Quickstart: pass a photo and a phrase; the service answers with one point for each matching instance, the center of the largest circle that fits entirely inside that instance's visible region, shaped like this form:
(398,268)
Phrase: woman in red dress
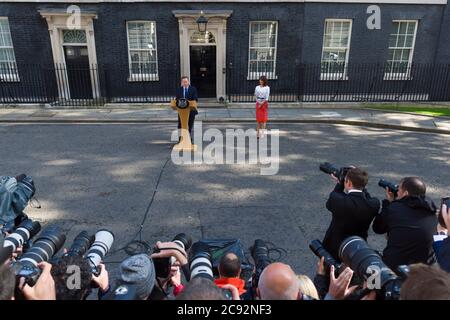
(262,93)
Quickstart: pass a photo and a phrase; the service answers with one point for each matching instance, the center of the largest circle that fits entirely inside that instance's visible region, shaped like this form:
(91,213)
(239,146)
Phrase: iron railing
(99,84)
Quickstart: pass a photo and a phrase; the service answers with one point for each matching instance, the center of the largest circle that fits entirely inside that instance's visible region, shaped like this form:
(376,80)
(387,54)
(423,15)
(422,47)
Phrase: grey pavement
(91,176)
(355,116)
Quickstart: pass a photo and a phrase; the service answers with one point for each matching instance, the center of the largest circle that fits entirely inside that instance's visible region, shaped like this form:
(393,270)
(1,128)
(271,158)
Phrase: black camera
(260,255)
(163,265)
(392,187)
(318,249)
(45,246)
(368,265)
(82,242)
(339,173)
(102,244)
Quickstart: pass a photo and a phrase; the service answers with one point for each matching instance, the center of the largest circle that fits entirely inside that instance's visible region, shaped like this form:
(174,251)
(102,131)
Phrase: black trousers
(192,115)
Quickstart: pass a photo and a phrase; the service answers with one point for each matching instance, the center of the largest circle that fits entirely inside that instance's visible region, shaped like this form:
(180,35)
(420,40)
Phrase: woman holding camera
(262,93)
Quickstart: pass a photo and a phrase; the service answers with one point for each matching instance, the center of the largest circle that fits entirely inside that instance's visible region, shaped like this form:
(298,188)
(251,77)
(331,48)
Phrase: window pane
(409,41)
(411,28)
(262,47)
(253,66)
(403,26)
(401,41)
(142,46)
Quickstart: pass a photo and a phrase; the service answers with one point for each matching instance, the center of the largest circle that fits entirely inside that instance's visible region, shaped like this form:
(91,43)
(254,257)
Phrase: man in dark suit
(410,222)
(186,91)
(352,209)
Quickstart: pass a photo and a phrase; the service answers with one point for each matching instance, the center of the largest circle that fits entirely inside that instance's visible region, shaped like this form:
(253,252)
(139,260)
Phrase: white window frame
(255,75)
(139,77)
(13,76)
(406,75)
(336,75)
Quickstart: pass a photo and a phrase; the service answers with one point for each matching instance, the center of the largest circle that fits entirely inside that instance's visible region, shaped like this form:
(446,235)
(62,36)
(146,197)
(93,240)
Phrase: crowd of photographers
(36,265)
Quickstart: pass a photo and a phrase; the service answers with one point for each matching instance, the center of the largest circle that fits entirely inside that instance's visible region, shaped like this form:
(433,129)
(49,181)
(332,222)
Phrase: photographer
(352,208)
(168,250)
(409,222)
(426,283)
(73,278)
(278,282)
(230,272)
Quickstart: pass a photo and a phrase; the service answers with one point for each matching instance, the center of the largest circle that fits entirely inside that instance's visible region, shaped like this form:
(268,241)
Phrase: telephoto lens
(24,232)
(318,249)
(163,265)
(328,168)
(183,241)
(260,254)
(45,246)
(102,244)
(200,261)
(81,244)
(392,187)
(367,264)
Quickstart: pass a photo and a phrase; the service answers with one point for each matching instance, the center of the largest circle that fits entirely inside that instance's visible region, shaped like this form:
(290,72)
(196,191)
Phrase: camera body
(392,187)
(339,173)
(163,265)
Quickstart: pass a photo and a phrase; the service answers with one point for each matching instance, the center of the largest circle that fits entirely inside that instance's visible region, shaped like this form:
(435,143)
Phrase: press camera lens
(45,246)
(102,244)
(24,232)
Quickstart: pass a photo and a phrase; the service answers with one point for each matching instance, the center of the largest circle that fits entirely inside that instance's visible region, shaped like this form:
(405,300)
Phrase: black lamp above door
(202,22)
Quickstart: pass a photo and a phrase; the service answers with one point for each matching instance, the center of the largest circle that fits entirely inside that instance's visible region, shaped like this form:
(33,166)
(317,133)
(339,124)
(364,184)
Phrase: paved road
(96,176)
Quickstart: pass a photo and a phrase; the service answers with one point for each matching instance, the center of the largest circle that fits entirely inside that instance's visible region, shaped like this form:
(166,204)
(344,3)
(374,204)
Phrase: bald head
(278,282)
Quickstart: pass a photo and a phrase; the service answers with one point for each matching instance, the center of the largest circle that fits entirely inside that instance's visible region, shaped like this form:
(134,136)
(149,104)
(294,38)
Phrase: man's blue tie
(185,92)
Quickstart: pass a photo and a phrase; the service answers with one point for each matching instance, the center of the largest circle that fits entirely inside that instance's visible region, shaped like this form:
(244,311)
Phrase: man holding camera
(352,208)
(409,220)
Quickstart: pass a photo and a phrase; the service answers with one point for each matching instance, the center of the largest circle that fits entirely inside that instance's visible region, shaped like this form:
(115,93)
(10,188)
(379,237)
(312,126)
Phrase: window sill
(143,78)
(397,77)
(256,77)
(333,77)
(9,78)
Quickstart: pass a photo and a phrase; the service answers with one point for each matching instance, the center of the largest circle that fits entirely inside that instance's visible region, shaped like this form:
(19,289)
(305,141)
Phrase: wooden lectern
(185,143)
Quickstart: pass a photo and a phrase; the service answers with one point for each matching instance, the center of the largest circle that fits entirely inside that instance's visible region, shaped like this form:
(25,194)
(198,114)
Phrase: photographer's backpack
(15,193)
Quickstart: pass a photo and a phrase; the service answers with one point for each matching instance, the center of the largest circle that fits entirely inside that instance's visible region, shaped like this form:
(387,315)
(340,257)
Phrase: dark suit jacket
(410,224)
(192,93)
(352,215)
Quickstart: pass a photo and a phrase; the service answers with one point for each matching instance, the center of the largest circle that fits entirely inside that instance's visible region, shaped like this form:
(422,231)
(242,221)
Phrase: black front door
(78,73)
(203,70)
